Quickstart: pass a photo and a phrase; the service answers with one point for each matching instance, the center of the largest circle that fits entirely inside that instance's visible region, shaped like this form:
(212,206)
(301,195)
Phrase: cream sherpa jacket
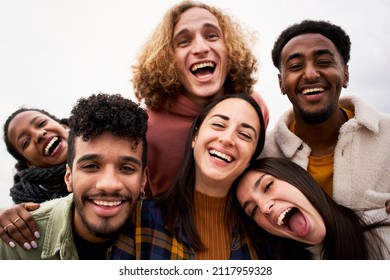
(362,154)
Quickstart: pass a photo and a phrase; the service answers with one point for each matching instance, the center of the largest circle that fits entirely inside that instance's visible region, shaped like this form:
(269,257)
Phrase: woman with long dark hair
(285,201)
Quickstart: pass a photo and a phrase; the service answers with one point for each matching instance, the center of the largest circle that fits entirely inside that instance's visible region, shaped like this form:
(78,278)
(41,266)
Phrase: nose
(310,73)
(108,181)
(266,206)
(226,139)
(40,135)
(200,45)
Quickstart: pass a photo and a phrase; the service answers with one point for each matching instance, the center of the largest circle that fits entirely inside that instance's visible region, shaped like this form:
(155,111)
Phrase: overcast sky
(52,52)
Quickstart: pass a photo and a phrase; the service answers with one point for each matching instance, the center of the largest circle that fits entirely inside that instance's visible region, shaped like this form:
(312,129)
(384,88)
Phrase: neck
(214,189)
(322,138)
(202,100)
(81,230)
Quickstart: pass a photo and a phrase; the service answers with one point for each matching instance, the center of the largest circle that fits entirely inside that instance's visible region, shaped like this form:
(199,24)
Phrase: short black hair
(100,113)
(331,31)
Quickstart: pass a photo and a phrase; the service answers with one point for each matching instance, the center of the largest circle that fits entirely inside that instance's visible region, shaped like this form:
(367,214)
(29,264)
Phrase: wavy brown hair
(155,76)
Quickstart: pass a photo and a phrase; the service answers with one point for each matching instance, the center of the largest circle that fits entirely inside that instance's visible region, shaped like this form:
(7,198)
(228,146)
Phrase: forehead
(26,117)
(249,183)
(22,120)
(248,180)
(108,145)
(231,103)
(237,109)
(307,44)
(195,17)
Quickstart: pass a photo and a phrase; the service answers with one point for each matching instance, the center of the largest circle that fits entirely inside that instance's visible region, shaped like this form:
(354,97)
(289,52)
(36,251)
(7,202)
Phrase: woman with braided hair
(38,141)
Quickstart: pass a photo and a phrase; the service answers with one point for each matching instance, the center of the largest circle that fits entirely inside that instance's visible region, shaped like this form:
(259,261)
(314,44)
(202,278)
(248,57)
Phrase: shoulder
(263,105)
(54,215)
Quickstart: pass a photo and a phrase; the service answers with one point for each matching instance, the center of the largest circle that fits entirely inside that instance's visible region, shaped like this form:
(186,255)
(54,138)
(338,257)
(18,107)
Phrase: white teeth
(221,155)
(107,203)
(282,215)
(47,148)
(309,90)
(201,65)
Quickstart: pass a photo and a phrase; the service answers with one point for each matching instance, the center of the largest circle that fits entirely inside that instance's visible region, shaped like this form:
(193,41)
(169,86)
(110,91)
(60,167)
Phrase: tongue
(297,223)
(202,72)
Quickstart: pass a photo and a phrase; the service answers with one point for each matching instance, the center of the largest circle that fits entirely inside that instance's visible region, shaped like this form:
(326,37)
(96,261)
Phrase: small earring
(346,85)
(141,197)
(283,93)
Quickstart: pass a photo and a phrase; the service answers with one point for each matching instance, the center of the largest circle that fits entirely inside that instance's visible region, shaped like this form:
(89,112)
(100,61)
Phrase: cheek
(287,80)
(241,197)
(265,224)
(180,61)
(247,152)
(135,186)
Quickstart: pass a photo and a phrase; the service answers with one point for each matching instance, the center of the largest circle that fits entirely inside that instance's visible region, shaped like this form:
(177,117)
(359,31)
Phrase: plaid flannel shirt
(149,239)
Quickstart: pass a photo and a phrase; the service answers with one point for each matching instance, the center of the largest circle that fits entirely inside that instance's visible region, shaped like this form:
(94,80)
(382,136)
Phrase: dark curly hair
(112,113)
(331,31)
(21,161)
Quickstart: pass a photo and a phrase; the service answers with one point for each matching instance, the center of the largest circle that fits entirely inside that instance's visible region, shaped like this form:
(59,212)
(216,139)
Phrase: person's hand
(18,225)
(387,205)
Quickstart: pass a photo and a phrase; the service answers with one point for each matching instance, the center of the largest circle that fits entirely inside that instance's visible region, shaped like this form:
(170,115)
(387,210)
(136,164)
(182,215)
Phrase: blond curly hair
(155,77)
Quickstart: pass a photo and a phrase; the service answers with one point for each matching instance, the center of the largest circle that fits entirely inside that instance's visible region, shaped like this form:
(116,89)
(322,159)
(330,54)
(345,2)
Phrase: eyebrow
(315,53)
(185,30)
(96,156)
(246,125)
(255,185)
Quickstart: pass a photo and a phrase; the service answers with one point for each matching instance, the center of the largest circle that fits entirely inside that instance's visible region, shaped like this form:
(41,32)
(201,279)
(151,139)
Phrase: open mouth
(293,220)
(107,203)
(203,70)
(312,91)
(50,147)
(220,156)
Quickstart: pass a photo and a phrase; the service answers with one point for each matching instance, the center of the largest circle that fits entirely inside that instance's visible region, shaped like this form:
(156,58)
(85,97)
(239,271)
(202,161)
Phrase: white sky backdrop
(52,52)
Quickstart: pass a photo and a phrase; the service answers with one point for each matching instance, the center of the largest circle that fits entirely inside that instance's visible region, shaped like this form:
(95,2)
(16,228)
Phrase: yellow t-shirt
(321,168)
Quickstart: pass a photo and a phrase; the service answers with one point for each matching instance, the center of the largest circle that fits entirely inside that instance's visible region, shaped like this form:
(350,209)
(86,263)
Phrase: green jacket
(54,218)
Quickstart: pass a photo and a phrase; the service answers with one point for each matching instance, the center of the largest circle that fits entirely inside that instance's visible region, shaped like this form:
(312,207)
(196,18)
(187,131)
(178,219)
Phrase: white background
(52,52)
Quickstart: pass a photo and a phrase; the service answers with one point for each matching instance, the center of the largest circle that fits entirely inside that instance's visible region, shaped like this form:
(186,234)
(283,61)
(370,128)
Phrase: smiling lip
(107,208)
(49,144)
(220,155)
(203,71)
(282,215)
(313,90)
(201,65)
(293,221)
(107,203)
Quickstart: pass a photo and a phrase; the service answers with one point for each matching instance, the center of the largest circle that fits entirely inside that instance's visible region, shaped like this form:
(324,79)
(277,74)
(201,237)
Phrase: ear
(280,83)
(65,126)
(29,164)
(144,180)
(346,76)
(194,140)
(68,179)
